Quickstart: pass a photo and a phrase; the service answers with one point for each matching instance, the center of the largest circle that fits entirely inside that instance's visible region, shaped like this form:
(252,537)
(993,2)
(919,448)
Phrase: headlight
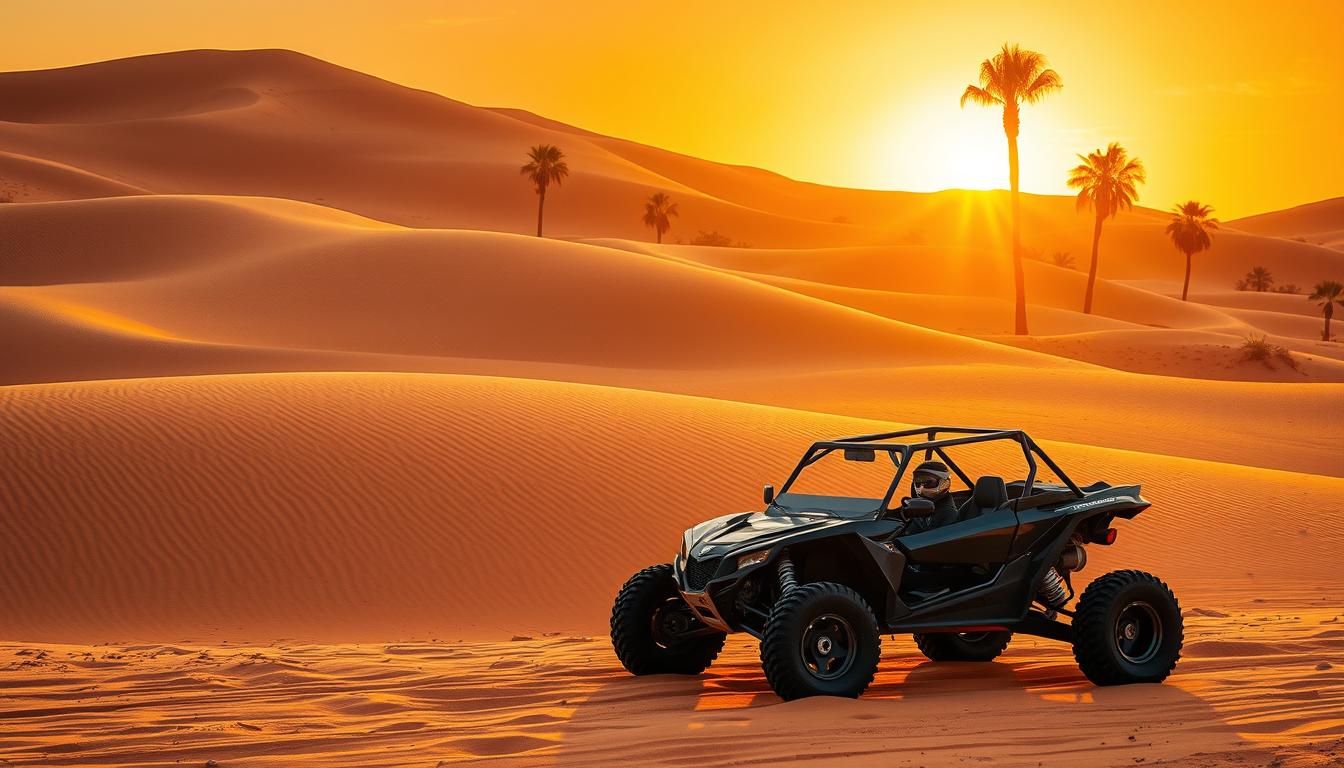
(752,559)
(682,552)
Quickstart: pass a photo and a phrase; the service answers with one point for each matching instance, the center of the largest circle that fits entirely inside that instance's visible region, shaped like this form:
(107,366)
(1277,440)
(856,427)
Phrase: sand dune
(280,124)
(352,506)
(1320,222)
(446,293)
(271,267)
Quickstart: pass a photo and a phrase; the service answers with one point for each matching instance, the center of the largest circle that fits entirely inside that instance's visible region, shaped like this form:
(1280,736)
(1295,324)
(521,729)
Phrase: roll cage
(932,445)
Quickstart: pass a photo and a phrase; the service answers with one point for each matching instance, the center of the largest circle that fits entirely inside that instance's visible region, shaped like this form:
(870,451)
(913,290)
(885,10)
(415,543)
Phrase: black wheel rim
(671,621)
(828,647)
(1138,632)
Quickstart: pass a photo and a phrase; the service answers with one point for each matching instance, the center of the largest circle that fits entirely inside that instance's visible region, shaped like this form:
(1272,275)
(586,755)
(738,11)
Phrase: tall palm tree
(1106,183)
(1328,293)
(1012,77)
(1190,230)
(546,165)
(1259,279)
(658,212)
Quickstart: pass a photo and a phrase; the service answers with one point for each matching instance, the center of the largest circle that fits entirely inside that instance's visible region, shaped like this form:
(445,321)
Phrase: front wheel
(654,631)
(1127,629)
(821,640)
(962,646)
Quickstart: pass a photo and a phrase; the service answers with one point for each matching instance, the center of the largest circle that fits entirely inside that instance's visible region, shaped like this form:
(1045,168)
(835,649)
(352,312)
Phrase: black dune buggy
(819,578)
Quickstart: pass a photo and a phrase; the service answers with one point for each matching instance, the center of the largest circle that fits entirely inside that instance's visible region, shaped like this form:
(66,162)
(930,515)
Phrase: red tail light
(1110,535)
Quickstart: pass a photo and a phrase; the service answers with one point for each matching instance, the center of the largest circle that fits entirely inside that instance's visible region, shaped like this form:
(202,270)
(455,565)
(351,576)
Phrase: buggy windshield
(837,486)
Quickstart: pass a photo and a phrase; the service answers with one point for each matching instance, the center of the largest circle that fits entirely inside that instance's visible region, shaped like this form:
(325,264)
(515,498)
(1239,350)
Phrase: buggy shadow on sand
(819,578)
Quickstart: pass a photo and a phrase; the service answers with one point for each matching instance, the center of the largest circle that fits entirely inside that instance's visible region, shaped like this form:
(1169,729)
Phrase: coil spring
(1053,592)
(787,580)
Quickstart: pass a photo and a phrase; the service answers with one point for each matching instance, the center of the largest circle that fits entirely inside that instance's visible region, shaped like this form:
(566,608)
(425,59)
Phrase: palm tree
(546,165)
(1189,230)
(1259,279)
(1106,183)
(1328,293)
(1012,77)
(658,212)
(1062,259)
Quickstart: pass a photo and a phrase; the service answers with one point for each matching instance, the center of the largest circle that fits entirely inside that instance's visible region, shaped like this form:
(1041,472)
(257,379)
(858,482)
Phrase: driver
(932,481)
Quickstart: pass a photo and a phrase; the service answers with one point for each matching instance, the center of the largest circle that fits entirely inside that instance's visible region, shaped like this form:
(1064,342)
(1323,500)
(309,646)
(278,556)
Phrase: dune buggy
(818,578)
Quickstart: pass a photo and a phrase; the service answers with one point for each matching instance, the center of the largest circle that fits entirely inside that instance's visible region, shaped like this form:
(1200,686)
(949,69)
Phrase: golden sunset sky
(1237,104)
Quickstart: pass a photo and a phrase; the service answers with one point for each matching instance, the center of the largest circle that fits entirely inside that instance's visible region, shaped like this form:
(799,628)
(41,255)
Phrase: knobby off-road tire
(962,646)
(1127,629)
(821,640)
(636,620)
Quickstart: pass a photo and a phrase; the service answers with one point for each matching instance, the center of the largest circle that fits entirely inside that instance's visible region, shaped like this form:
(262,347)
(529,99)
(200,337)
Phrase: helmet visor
(930,483)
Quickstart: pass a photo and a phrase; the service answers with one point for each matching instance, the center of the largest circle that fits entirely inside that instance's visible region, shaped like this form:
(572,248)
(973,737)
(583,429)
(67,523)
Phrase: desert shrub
(717,239)
(1258,349)
(1241,285)
(1062,259)
(1288,288)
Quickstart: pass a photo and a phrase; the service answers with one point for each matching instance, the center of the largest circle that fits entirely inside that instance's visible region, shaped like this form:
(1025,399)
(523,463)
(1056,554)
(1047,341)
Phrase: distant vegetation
(1259,279)
(1191,231)
(1258,349)
(546,165)
(1062,259)
(717,239)
(1327,294)
(1008,80)
(1106,182)
(659,210)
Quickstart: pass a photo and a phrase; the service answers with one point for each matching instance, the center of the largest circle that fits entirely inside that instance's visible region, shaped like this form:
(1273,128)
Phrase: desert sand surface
(1268,695)
(301,425)
(367,506)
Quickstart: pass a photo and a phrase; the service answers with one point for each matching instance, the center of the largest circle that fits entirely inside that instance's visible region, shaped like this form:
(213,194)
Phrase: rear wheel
(821,640)
(1128,629)
(962,646)
(654,631)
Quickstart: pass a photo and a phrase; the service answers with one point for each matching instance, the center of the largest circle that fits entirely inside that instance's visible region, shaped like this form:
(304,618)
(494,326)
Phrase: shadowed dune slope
(376,505)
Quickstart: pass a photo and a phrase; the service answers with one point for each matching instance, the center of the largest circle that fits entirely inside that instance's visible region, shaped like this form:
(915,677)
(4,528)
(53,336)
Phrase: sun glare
(938,146)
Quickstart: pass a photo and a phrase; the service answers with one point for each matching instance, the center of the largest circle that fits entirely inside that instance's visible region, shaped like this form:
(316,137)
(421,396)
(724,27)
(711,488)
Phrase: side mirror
(769,495)
(913,508)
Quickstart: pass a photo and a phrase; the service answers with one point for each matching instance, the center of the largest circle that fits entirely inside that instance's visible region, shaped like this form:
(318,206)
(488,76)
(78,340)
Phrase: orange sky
(1236,104)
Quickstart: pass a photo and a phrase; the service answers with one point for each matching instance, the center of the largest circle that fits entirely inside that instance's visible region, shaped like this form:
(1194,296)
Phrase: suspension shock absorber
(788,581)
(1053,593)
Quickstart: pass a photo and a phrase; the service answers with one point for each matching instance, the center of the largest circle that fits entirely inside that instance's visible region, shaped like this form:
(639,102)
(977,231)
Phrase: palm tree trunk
(659,230)
(1185,289)
(541,203)
(1092,272)
(1329,312)
(1019,283)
